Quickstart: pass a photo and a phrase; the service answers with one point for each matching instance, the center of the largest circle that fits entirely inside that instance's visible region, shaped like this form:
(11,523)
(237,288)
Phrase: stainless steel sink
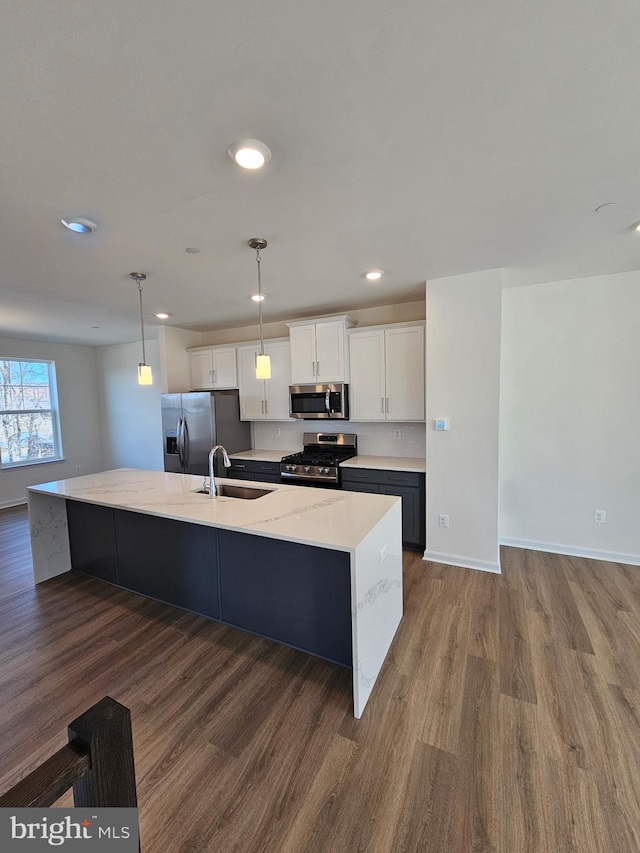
(245,493)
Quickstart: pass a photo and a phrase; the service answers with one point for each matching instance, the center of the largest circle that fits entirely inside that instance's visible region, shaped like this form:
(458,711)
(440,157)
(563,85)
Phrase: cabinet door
(404,373)
(201,370)
(330,355)
(295,594)
(92,540)
(251,389)
(366,367)
(411,516)
(277,388)
(172,561)
(303,354)
(225,374)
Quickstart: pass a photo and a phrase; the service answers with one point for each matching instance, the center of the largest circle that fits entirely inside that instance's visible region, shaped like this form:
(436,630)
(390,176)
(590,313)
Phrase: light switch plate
(441,424)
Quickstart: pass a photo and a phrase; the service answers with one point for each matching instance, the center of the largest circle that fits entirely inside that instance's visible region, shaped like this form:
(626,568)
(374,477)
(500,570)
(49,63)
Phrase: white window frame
(58,455)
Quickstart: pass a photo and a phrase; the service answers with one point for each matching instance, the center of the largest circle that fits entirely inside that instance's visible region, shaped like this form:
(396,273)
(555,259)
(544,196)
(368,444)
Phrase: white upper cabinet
(404,373)
(303,354)
(264,399)
(213,368)
(387,373)
(251,389)
(367,388)
(319,351)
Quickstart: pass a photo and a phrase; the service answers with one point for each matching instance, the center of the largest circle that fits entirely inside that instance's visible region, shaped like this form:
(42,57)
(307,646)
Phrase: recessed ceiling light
(162,315)
(191,250)
(606,207)
(79,226)
(249,153)
(95,327)
(374,275)
(258,297)
(636,227)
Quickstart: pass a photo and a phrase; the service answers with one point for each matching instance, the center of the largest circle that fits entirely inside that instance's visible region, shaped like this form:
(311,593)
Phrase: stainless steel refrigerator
(193,423)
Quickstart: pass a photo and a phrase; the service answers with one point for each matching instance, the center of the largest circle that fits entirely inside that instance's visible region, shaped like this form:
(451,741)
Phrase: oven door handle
(327,398)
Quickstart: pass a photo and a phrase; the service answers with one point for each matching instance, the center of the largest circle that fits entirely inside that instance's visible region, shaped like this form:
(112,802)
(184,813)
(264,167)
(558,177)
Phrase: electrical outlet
(600,516)
(78,467)
(277,432)
(383,554)
(397,433)
(443,520)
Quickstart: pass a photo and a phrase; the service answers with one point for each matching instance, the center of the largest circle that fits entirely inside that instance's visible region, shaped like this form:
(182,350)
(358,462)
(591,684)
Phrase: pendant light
(263,362)
(144,370)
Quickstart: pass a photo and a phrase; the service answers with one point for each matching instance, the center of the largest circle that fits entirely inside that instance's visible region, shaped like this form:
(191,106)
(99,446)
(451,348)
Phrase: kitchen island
(316,569)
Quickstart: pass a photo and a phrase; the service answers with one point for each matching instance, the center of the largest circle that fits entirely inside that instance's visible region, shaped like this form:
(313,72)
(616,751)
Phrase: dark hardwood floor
(507,717)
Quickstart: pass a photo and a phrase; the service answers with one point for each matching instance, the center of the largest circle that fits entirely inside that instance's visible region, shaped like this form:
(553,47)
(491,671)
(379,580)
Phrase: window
(29,425)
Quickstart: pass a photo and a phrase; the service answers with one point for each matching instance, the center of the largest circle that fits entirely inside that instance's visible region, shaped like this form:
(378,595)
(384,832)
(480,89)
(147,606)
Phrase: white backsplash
(374,439)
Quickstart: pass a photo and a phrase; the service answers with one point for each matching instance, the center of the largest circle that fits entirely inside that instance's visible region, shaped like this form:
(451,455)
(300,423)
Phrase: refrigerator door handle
(185,442)
(179,440)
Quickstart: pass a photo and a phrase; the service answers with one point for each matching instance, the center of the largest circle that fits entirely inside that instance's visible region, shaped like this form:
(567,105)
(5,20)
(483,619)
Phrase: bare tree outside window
(28,416)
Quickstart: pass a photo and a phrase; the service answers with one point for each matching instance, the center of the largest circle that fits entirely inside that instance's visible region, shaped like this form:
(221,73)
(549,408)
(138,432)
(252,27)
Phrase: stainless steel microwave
(313,402)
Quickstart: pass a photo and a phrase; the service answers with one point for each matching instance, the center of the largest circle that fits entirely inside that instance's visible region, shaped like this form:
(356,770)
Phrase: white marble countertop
(388,463)
(326,518)
(262,455)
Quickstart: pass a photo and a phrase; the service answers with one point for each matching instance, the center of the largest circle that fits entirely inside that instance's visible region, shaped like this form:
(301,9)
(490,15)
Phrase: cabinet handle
(266,407)
(262,406)
(239,466)
(387,405)
(382,405)
(317,369)
(398,479)
(211,377)
(313,368)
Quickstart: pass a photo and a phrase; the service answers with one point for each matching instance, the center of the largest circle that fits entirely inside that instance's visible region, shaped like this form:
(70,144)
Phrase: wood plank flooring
(506,719)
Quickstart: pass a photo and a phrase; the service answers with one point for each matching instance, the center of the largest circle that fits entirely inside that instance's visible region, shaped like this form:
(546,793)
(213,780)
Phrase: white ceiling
(426,138)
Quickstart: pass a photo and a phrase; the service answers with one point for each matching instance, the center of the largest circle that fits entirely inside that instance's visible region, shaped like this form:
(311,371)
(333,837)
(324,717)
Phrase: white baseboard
(572,551)
(7,504)
(463,562)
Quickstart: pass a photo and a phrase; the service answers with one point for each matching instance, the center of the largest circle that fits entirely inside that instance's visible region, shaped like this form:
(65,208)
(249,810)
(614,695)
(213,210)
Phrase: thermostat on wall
(441,424)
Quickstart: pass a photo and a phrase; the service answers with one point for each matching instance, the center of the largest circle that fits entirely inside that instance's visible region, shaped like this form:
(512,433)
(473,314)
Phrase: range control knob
(307,468)
(326,470)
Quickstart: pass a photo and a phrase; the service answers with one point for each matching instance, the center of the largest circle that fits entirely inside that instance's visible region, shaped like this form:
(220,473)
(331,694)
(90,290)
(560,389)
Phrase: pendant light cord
(258,259)
(144,355)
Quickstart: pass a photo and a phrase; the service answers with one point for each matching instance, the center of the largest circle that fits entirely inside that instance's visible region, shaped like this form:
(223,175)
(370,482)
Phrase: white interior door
(330,352)
(201,370)
(277,388)
(251,389)
(225,374)
(367,376)
(404,370)
(303,354)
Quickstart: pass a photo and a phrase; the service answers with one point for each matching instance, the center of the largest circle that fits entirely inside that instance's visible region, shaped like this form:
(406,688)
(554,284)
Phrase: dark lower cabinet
(254,469)
(408,485)
(173,561)
(297,594)
(92,540)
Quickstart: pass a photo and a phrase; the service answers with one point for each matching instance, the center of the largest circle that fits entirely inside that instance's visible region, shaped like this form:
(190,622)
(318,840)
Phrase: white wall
(77,378)
(175,364)
(463,384)
(131,418)
(373,439)
(570,416)
(402,312)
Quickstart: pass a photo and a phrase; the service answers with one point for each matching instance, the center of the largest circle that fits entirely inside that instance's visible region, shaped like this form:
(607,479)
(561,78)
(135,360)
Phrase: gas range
(318,464)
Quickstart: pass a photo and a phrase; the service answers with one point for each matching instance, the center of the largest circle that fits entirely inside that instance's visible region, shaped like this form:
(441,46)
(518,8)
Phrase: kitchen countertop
(334,519)
(388,463)
(382,463)
(262,455)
